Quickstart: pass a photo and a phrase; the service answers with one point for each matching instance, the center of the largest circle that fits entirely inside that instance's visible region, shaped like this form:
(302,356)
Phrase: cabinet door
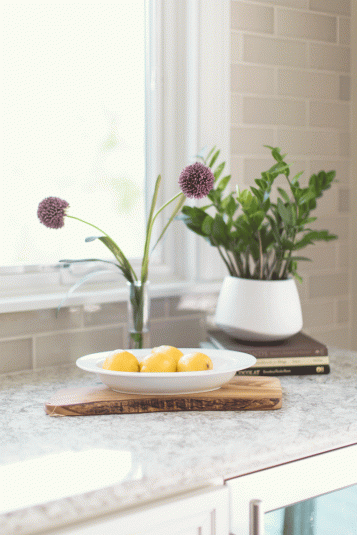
(269,494)
(202,512)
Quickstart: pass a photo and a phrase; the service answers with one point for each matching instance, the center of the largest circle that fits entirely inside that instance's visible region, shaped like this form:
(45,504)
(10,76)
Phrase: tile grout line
(34,336)
(302,40)
(34,355)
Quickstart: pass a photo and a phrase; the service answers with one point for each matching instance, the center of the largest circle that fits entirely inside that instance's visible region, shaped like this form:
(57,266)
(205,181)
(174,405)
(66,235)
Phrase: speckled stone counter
(121,460)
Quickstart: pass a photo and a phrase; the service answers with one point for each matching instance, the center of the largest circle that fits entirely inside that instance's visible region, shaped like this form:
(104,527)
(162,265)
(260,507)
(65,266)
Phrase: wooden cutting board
(241,393)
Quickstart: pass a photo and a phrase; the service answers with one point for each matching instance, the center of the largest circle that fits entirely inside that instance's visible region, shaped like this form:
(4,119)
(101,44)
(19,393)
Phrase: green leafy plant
(256,237)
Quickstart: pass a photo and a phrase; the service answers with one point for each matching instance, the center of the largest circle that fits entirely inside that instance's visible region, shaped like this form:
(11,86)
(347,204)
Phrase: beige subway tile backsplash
(289,3)
(318,313)
(254,167)
(344,30)
(344,204)
(330,114)
(294,86)
(274,111)
(252,17)
(302,142)
(189,305)
(251,140)
(306,84)
(345,140)
(345,83)
(104,313)
(342,168)
(236,109)
(328,203)
(15,355)
(329,57)
(343,312)
(293,23)
(252,79)
(323,257)
(337,338)
(273,51)
(237,172)
(181,332)
(342,7)
(333,285)
(337,224)
(37,321)
(61,348)
(343,255)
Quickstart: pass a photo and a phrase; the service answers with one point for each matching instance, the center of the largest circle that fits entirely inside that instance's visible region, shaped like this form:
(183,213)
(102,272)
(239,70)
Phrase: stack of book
(298,355)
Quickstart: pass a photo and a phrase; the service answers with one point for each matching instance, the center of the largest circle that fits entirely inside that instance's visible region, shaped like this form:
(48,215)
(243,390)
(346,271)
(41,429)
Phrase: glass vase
(138,315)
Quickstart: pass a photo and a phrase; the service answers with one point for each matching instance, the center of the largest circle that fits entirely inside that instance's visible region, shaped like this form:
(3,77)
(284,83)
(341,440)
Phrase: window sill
(37,299)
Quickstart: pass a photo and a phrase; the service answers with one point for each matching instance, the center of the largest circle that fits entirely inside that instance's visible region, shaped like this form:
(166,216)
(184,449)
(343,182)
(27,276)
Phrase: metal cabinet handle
(256,518)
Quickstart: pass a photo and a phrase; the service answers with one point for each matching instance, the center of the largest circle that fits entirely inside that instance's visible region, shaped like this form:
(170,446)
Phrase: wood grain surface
(241,393)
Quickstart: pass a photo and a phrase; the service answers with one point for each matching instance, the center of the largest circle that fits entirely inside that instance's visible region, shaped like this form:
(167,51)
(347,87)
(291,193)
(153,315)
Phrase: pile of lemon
(161,359)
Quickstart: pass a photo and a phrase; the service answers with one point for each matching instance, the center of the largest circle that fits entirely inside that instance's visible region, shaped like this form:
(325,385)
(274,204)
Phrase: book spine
(268,353)
(291,361)
(285,370)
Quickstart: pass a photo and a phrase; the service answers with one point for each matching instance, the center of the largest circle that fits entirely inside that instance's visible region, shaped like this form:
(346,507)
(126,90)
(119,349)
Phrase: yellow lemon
(194,362)
(121,361)
(169,351)
(158,362)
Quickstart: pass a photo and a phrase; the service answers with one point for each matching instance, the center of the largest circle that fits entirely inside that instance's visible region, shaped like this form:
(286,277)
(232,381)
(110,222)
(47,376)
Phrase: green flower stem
(260,257)
(145,261)
(174,213)
(239,264)
(151,221)
(180,194)
(86,222)
(227,261)
(121,260)
(232,259)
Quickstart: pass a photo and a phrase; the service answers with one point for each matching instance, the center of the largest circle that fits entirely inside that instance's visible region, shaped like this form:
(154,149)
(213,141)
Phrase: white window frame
(188,107)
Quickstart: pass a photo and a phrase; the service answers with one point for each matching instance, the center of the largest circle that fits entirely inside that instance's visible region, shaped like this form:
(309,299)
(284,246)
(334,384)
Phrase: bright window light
(74,116)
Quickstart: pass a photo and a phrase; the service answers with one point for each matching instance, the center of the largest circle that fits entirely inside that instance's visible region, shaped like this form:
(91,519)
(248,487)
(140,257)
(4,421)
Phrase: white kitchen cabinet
(257,499)
(200,512)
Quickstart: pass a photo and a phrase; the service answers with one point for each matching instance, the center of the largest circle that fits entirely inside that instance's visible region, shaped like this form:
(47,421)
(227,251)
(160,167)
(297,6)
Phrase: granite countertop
(58,470)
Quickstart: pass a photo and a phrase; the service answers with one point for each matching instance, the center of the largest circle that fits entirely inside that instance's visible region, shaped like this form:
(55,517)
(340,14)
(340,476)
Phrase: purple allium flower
(196,180)
(51,212)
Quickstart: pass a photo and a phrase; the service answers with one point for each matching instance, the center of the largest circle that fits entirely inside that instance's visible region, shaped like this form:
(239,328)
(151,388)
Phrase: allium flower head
(51,212)
(196,180)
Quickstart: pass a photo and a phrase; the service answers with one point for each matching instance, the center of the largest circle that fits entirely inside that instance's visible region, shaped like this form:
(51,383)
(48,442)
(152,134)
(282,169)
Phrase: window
(74,116)
(78,147)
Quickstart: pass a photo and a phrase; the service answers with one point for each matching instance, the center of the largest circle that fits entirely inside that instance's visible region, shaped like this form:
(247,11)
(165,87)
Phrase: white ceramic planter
(259,311)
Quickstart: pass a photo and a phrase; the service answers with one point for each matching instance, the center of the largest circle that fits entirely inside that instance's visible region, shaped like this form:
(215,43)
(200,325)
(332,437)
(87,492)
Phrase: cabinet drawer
(290,483)
(201,512)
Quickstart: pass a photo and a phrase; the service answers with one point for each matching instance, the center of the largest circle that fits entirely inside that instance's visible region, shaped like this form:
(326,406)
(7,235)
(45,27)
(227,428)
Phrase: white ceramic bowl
(225,365)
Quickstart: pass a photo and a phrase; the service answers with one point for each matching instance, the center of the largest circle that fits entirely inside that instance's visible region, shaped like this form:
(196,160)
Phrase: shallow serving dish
(225,365)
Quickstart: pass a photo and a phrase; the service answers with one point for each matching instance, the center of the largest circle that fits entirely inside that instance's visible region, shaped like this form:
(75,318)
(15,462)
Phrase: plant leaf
(210,152)
(124,264)
(145,260)
(219,170)
(76,285)
(284,212)
(214,158)
(223,183)
(89,260)
(284,195)
(219,230)
(207,225)
(176,210)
